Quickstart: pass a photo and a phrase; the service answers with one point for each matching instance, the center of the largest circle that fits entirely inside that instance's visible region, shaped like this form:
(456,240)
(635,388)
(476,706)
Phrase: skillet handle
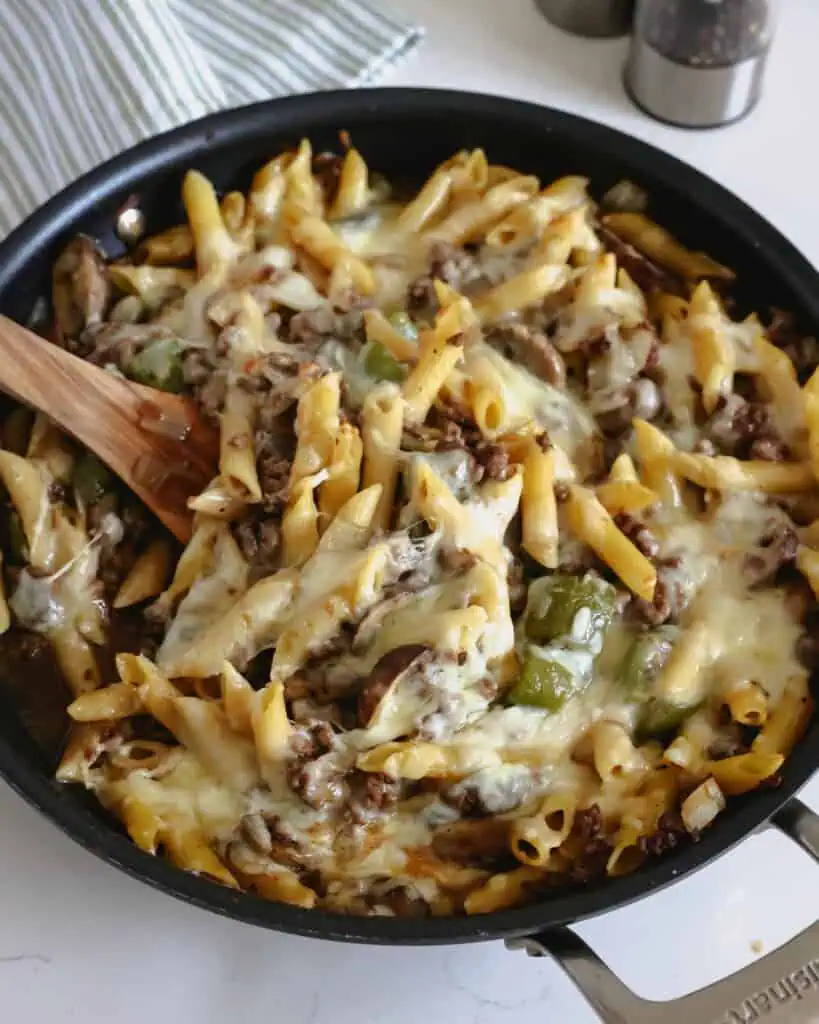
(781,988)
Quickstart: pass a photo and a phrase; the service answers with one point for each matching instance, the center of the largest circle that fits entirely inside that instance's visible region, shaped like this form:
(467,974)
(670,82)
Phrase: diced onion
(703,805)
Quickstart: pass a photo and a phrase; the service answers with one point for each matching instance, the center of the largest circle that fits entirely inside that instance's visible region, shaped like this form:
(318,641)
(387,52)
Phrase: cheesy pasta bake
(505,578)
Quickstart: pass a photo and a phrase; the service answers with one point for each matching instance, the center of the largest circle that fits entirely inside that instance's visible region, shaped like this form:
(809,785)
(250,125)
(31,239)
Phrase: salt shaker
(699,63)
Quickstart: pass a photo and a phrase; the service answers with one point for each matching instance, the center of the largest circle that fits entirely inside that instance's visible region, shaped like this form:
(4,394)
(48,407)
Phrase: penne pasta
(320,242)
(119,700)
(237,456)
(539,506)
(379,329)
(213,245)
(148,576)
(251,625)
(527,289)
(534,838)
(714,358)
(344,472)
(381,425)
(591,523)
(472,220)
(317,425)
(787,720)
(353,192)
(748,704)
(300,524)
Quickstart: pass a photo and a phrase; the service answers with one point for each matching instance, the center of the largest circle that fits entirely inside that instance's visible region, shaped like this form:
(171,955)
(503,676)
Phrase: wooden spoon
(156,442)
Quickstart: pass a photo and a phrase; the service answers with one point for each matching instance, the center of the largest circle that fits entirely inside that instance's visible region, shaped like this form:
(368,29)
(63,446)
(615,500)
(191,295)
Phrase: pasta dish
(505,578)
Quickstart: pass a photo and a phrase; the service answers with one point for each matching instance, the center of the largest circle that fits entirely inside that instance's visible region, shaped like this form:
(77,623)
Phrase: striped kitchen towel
(81,80)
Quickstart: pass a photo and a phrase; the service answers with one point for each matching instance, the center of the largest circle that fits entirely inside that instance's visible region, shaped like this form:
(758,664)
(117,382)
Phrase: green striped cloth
(81,80)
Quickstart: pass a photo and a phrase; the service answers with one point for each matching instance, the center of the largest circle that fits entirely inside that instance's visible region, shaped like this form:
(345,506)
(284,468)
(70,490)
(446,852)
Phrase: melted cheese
(532,400)
(753,633)
(207,601)
(186,795)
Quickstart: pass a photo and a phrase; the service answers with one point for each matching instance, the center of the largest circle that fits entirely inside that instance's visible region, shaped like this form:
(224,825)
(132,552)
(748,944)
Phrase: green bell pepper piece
(381,364)
(543,683)
(555,604)
(92,479)
(659,717)
(646,657)
(404,324)
(158,365)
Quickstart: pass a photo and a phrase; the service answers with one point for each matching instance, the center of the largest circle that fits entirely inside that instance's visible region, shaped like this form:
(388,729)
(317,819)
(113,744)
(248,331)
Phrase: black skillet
(403,133)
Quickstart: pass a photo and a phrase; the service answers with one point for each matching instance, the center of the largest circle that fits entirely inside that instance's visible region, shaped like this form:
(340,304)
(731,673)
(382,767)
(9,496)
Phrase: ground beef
(454,426)
(670,832)
(530,347)
(588,823)
(266,371)
(452,265)
(465,799)
(117,343)
(372,792)
(769,449)
(312,740)
(492,461)
(669,597)
(591,862)
(456,561)
(274,457)
(447,263)
(206,380)
(314,327)
(274,381)
(638,533)
(259,537)
(640,269)
(803,350)
(421,297)
(315,783)
(778,547)
(745,429)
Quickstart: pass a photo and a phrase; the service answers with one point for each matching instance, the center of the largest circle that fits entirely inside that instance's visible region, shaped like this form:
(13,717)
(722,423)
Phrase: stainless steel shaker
(596,18)
(699,63)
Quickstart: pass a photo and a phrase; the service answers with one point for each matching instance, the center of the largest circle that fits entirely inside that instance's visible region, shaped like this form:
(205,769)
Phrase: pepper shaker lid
(699,63)
(593,18)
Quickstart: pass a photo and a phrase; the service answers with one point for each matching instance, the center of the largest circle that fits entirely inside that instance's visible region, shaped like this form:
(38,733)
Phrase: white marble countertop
(81,942)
